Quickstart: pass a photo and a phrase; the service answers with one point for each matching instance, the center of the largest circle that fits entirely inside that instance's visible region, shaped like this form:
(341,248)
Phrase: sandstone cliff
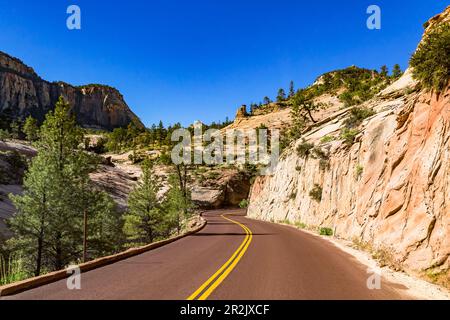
(391,188)
(24,93)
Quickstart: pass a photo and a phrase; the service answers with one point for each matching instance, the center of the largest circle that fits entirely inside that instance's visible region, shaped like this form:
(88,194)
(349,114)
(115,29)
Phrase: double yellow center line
(217,278)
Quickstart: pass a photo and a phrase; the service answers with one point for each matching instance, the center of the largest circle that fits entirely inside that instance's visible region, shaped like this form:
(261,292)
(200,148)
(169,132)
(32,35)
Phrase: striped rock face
(390,189)
(24,93)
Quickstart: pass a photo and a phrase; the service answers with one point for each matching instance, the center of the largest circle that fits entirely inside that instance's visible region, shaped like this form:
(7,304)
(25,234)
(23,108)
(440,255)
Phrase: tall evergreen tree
(384,71)
(31,128)
(396,71)
(178,204)
(31,224)
(281,95)
(48,226)
(15,129)
(291,89)
(161,132)
(145,220)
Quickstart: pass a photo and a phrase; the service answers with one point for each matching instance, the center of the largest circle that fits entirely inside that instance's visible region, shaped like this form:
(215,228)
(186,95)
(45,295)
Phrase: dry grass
(439,277)
(384,256)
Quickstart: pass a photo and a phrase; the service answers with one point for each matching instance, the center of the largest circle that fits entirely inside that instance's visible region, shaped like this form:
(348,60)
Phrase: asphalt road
(230,259)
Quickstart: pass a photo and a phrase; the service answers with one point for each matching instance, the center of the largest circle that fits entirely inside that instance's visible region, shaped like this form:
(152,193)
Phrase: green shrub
(165,159)
(318,153)
(137,157)
(431,61)
(327,139)
(11,269)
(357,116)
(347,99)
(349,135)
(244,204)
(324,157)
(326,231)
(4,134)
(316,193)
(324,164)
(300,225)
(359,170)
(100,146)
(304,149)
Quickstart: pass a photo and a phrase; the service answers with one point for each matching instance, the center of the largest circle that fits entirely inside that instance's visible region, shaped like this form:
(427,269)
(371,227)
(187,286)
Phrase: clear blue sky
(199,60)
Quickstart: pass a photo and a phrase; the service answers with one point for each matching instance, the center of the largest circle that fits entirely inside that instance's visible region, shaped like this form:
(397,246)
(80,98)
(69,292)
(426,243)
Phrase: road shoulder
(417,288)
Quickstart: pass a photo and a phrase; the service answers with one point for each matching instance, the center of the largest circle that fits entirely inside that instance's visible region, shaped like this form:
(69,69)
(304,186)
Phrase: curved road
(232,258)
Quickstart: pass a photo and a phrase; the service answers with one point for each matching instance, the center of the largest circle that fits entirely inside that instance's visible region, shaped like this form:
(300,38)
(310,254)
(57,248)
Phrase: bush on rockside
(431,61)
(244,204)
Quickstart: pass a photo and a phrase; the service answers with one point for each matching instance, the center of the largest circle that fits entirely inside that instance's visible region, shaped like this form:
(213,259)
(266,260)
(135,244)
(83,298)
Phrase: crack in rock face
(400,201)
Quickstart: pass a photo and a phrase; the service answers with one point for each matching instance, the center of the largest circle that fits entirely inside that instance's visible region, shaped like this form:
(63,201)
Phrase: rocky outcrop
(228,189)
(390,188)
(13,163)
(24,93)
(242,112)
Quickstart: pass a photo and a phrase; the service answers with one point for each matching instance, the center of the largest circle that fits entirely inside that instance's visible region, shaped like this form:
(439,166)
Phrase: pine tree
(267,100)
(281,95)
(31,129)
(291,89)
(145,220)
(253,108)
(15,130)
(48,226)
(396,71)
(177,205)
(117,139)
(304,106)
(384,71)
(161,132)
(298,122)
(178,200)
(103,223)
(133,131)
(30,225)
(153,135)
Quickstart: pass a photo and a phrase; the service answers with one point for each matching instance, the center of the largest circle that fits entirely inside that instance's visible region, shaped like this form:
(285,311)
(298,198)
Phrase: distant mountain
(24,93)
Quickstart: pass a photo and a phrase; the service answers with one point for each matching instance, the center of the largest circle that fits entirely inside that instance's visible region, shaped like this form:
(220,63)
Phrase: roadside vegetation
(326,231)
(11,269)
(62,218)
(149,219)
